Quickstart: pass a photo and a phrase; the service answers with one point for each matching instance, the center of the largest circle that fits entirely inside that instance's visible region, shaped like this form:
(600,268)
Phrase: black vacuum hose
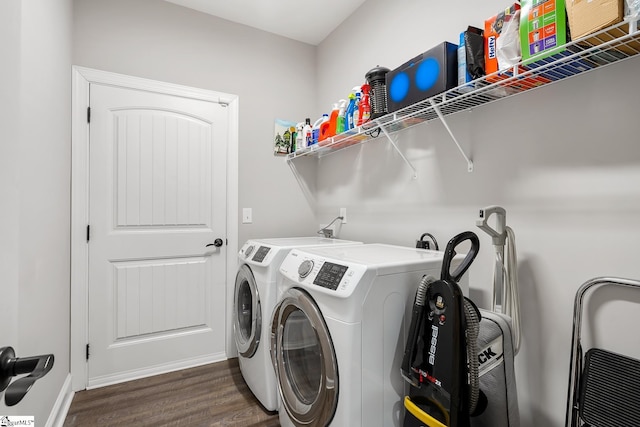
(414,329)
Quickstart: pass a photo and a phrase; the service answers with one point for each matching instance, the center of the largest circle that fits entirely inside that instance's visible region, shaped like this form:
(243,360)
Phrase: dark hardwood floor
(210,395)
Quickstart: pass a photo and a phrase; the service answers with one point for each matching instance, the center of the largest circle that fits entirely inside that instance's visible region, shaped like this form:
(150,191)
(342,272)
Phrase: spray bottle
(349,114)
(365,106)
(356,110)
(342,117)
(299,136)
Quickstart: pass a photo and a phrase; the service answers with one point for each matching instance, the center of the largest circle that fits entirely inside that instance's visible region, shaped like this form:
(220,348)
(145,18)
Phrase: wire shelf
(605,47)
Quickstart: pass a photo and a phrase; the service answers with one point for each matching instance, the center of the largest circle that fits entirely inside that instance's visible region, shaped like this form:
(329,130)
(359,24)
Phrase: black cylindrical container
(376,77)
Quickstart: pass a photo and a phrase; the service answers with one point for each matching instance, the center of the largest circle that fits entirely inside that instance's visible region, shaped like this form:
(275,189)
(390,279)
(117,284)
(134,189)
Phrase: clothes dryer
(339,329)
(254,300)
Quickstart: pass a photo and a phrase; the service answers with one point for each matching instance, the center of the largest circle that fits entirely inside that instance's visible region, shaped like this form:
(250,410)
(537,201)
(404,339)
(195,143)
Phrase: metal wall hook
(11,366)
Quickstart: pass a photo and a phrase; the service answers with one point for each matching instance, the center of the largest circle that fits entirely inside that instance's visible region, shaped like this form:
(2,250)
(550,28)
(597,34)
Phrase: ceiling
(308,21)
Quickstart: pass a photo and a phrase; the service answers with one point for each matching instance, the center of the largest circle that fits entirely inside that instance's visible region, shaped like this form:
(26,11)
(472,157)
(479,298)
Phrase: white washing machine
(254,300)
(339,331)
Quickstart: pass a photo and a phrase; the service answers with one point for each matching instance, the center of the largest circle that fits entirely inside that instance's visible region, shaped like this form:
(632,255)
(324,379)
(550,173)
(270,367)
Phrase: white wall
(35,179)
(563,160)
(9,152)
(273,77)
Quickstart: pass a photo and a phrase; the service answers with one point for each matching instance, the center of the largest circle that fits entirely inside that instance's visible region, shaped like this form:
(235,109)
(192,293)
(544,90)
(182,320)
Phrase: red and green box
(543,28)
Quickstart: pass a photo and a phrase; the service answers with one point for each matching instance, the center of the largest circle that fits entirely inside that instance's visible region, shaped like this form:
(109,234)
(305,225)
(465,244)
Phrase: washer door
(247,313)
(304,360)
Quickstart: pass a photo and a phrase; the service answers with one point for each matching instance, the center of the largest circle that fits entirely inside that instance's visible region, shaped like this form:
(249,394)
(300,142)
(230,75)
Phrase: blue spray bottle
(349,116)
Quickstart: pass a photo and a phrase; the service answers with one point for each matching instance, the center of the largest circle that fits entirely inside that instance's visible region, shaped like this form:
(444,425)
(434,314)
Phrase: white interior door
(156,200)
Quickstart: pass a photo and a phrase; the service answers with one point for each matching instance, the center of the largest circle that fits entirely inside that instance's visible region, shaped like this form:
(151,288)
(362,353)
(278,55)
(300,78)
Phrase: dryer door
(247,313)
(304,360)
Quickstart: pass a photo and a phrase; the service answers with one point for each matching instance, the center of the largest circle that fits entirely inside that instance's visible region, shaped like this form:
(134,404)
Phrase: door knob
(217,243)
(11,366)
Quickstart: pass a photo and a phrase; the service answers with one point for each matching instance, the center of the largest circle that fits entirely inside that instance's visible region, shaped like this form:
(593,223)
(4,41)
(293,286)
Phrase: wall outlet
(343,214)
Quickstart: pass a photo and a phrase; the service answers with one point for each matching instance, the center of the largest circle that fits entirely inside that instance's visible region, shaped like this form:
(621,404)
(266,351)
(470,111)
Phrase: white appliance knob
(248,252)
(305,268)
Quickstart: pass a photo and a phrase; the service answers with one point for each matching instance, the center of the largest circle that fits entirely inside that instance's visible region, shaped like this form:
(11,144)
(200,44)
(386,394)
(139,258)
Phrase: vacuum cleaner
(459,360)
(441,339)
(499,337)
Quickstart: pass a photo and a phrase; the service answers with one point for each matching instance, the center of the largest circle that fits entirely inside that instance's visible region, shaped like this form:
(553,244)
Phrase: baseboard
(154,370)
(61,406)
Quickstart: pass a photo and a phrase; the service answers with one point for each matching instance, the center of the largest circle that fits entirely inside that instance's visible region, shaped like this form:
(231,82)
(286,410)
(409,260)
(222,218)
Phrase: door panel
(157,198)
(148,301)
(162,174)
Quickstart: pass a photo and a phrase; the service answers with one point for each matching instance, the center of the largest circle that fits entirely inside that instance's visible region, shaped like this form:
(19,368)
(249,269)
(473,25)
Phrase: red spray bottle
(365,105)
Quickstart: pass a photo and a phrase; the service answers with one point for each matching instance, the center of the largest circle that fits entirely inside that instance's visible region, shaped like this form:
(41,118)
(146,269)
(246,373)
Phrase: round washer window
(302,357)
(245,309)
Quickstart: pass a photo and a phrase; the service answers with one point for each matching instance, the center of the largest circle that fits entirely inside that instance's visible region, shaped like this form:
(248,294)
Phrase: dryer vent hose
(414,329)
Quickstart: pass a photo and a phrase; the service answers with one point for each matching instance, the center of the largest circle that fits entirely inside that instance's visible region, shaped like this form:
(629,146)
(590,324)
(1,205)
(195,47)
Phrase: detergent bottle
(307,133)
(315,133)
(333,119)
(365,106)
(348,125)
(324,128)
(342,116)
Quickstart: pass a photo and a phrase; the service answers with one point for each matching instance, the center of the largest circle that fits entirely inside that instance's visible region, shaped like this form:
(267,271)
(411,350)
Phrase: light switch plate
(247,216)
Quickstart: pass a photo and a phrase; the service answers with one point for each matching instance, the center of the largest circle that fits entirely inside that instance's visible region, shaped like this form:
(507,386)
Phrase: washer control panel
(330,275)
(325,275)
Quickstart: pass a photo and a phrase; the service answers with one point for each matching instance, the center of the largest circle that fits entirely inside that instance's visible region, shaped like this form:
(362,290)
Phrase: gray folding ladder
(604,387)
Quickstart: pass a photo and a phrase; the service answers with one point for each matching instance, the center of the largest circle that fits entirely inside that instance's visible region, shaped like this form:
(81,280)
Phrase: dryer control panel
(320,274)
(254,253)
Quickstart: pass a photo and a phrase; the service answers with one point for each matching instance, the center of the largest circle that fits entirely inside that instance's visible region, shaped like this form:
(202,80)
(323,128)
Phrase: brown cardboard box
(589,16)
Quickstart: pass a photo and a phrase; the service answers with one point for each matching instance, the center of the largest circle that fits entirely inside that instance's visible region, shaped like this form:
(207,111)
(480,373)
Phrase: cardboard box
(543,29)
(543,35)
(589,16)
(492,31)
(422,77)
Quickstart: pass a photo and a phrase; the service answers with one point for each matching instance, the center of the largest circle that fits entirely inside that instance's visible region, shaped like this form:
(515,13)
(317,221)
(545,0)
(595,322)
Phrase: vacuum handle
(498,235)
(450,253)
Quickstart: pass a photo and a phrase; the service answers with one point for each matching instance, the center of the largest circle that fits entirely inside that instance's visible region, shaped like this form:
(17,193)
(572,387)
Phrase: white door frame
(81,79)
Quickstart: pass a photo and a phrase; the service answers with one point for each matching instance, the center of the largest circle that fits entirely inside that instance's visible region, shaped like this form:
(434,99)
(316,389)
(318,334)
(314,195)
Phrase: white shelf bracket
(393,143)
(446,126)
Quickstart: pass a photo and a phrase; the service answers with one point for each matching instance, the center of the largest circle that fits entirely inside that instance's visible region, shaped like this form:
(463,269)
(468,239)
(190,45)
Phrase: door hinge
(88,232)
(87,352)
(88,114)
